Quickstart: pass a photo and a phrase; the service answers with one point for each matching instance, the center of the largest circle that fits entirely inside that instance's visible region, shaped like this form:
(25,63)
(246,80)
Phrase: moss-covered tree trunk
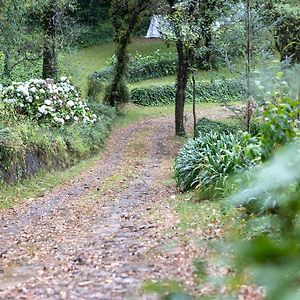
(114,92)
(125,21)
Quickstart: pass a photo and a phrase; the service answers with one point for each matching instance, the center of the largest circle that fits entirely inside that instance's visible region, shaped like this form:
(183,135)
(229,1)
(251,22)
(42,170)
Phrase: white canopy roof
(154,28)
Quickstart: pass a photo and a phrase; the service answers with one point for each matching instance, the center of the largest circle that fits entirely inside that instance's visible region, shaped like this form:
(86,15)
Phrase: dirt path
(101,235)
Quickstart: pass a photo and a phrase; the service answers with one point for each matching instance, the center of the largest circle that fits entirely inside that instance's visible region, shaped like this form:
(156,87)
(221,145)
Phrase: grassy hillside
(82,63)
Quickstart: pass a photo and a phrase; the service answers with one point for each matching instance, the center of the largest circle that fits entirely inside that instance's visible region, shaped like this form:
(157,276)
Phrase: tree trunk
(208,53)
(112,95)
(119,74)
(49,52)
(6,66)
(182,79)
(194,105)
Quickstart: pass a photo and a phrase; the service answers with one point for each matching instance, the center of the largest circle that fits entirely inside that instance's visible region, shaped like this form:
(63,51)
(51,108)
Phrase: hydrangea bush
(56,103)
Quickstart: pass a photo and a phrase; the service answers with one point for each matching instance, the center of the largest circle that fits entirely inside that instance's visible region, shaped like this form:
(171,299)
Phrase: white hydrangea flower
(41,81)
(33,89)
(9,101)
(43,109)
(70,103)
(48,102)
(59,120)
(63,79)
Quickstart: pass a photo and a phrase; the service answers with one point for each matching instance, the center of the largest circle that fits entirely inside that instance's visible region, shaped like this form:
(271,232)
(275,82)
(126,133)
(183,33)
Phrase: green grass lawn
(82,63)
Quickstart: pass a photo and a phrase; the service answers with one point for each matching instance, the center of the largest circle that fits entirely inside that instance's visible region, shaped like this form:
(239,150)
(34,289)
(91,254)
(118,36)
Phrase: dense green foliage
(263,191)
(20,42)
(215,91)
(95,35)
(287,18)
(272,243)
(278,124)
(206,162)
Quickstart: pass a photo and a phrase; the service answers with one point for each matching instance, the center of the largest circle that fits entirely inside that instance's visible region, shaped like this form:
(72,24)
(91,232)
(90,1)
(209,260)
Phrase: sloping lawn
(82,63)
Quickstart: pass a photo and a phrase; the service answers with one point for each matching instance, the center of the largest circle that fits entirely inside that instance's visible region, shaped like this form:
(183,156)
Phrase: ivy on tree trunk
(125,17)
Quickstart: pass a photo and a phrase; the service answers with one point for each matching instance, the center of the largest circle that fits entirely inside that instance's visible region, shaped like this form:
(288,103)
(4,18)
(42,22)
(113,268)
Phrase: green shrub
(206,162)
(205,125)
(154,95)
(279,124)
(140,70)
(287,38)
(215,91)
(273,257)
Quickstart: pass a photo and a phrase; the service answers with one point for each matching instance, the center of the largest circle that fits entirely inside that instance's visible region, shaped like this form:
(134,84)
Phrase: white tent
(153,31)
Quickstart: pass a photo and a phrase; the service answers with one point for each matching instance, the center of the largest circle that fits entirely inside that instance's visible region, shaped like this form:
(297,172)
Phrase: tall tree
(192,22)
(125,15)
(50,13)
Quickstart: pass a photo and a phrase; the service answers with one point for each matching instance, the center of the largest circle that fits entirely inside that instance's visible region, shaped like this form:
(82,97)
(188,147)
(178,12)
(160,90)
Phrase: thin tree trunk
(248,32)
(182,79)
(49,52)
(194,105)
(248,67)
